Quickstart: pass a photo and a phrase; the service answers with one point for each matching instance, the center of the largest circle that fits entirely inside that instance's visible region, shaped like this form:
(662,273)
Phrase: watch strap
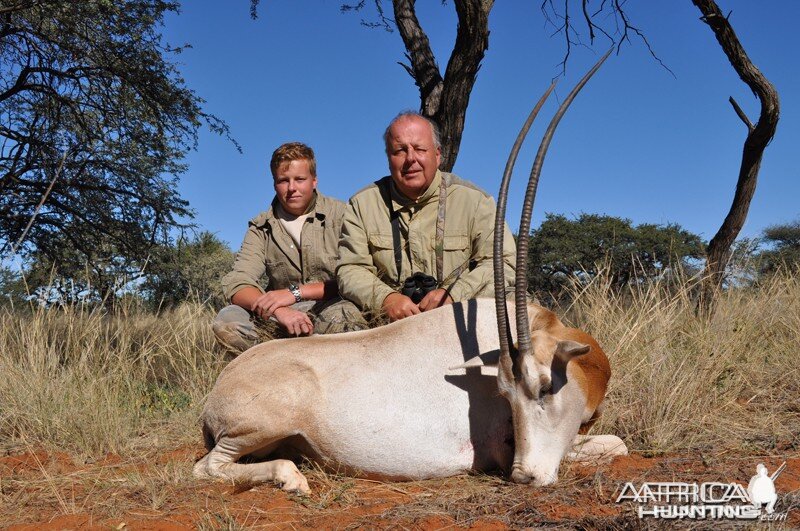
(294,289)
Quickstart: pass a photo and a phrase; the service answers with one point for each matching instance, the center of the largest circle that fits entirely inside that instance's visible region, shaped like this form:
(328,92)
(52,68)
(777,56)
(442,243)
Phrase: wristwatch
(295,290)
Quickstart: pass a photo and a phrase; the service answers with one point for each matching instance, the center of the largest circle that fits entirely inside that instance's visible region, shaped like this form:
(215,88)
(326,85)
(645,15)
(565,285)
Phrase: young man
(294,245)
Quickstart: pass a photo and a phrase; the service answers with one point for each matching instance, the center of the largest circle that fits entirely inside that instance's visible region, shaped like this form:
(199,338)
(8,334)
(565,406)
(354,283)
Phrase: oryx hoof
(290,479)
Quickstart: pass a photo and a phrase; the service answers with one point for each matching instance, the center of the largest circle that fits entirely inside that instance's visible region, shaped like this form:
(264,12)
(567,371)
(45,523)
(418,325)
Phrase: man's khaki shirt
(268,250)
(366,271)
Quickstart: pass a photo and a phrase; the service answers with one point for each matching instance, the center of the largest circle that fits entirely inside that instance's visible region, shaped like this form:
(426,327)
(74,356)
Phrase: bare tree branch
(627,26)
(383,21)
(758,138)
(562,22)
(39,206)
(423,63)
(741,114)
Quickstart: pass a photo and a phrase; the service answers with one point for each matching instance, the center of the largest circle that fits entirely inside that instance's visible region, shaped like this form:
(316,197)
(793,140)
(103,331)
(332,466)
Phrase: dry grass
(81,384)
(91,383)
(681,383)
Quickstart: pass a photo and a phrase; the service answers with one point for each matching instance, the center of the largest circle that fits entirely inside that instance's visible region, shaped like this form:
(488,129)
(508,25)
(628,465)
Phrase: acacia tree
(444,97)
(758,137)
(188,269)
(562,250)
(784,252)
(94,122)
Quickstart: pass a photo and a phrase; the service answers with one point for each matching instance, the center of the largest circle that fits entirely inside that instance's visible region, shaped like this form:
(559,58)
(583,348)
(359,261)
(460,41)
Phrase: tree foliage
(784,251)
(94,123)
(562,249)
(64,275)
(12,287)
(189,269)
(176,271)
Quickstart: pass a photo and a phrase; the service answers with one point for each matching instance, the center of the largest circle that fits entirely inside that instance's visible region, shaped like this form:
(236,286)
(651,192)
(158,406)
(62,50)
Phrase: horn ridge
(504,332)
(521,282)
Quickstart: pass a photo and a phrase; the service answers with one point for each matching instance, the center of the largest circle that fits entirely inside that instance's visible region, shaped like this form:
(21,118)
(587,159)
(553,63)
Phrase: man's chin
(414,187)
(291,206)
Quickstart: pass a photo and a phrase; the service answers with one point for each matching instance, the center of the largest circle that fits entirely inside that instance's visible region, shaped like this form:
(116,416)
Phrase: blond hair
(292,151)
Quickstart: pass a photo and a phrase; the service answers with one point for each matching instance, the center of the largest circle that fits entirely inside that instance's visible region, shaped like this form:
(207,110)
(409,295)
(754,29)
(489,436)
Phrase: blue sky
(637,143)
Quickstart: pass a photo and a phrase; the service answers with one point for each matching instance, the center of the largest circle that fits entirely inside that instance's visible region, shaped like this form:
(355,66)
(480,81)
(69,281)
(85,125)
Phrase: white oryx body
(385,403)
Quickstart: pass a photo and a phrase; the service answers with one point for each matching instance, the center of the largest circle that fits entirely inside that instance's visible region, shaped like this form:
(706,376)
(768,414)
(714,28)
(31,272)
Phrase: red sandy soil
(40,490)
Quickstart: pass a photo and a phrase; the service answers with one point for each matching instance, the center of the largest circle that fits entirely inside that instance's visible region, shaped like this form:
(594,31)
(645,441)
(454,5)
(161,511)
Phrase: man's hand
(434,299)
(397,306)
(266,304)
(295,322)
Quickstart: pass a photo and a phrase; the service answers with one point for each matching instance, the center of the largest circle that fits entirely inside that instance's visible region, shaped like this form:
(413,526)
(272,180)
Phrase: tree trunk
(445,100)
(758,136)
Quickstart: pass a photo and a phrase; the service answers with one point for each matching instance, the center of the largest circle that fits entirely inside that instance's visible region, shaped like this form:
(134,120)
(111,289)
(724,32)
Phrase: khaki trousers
(236,328)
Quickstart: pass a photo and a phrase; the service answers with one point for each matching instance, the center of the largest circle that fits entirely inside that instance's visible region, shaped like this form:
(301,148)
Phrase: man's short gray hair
(437,141)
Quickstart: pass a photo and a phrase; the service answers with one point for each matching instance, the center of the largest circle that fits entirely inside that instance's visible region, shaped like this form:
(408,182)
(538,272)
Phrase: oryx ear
(567,349)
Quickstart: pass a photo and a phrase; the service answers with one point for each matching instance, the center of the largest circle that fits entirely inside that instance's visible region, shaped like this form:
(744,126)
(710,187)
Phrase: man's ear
(438,156)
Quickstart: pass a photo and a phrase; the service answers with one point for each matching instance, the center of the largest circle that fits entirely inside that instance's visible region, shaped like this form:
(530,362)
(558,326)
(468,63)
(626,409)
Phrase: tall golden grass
(92,382)
(89,382)
(731,382)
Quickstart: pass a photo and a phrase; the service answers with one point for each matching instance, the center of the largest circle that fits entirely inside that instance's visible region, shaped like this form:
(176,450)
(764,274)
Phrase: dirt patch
(49,491)
(60,463)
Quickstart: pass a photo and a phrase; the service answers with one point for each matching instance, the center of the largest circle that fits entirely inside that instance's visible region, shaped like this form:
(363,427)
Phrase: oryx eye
(545,384)
(545,388)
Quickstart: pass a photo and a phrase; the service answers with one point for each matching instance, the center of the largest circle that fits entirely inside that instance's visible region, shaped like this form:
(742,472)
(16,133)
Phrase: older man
(418,220)
(293,244)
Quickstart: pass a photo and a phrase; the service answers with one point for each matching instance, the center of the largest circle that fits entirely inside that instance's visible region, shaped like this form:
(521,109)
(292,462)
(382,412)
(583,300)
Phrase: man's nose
(411,156)
(292,186)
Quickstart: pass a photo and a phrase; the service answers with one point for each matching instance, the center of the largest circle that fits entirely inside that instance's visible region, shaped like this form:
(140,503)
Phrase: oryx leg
(221,462)
(596,449)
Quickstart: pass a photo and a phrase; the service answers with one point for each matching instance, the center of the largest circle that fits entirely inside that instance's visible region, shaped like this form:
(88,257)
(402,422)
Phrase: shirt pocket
(456,251)
(327,251)
(381,247)
(277,274)
(455,242)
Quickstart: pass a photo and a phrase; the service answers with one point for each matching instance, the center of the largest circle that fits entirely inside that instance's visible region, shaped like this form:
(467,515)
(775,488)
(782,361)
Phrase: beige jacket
(268,250)
(366,271)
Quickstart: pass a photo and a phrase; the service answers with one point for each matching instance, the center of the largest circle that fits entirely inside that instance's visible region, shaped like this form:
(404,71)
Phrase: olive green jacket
(268,250)
(366,271)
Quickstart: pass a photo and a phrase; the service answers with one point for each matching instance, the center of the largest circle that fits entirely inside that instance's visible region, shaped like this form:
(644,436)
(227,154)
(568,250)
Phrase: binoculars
(417,286)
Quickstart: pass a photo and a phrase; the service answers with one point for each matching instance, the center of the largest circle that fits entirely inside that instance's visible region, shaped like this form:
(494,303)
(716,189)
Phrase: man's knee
(233,329)
(339,316)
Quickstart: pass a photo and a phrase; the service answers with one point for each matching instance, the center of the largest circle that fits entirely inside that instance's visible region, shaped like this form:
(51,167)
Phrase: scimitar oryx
(433,395)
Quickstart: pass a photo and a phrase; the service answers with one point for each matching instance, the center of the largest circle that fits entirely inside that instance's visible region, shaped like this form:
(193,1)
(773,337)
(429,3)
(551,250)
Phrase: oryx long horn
(521,284)
(499,232)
